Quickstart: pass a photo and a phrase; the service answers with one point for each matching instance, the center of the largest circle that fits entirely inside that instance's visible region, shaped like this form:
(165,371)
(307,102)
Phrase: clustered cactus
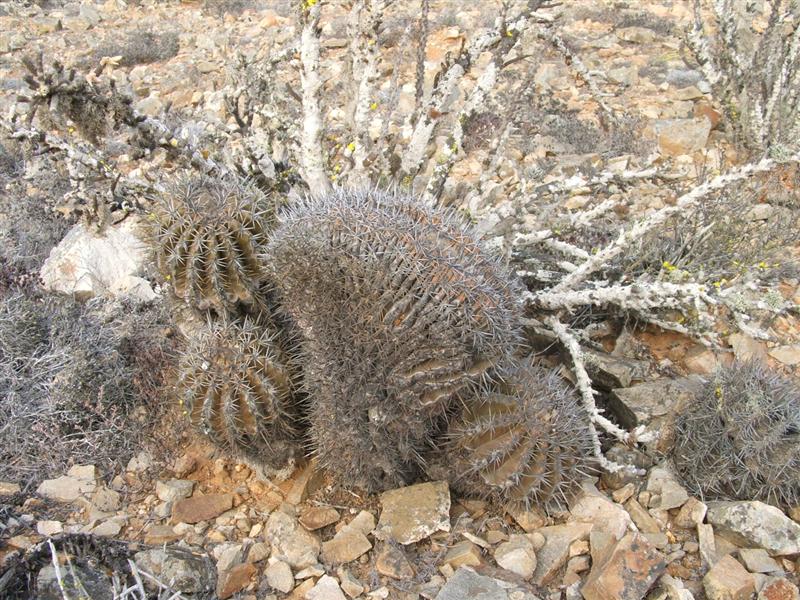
(402,351)
(740,439)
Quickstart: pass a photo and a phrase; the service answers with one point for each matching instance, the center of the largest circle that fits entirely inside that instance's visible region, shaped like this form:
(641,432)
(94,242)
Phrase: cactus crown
(209,233)
(741,437)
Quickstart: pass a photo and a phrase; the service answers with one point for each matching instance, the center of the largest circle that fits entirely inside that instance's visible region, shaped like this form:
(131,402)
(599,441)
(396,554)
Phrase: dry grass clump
(140,47)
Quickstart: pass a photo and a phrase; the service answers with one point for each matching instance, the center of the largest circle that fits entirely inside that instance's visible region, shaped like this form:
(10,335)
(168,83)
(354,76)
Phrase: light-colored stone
(83,472)
(327,588)
(788,355)
(413,513)
(279,576)
(106,499)
(682,136)
(350,584)
(228,555)
(109,528)
(155,535)
(65,488)
(235,580)
(728,580)
(49,528)
(258,552)
(555,551)
(630,570)
(529,520)
(623,493)
(756,560)
(391,561)
(317,517)
(463,554)
(517,555)
(664,485)
(691,514)
(593,507)
(86,263)
(174,489)
(9,489)
(467,584)
(290,542)
(346,546)
(708,546)
(643,519)
(756,524)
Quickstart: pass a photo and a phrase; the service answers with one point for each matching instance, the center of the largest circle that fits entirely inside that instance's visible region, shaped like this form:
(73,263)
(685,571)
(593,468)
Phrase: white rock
(415,512)
(279,576)
(517,555)
(228,555)
(49,527)
(756,523)
(65,488)
(87,263)
(290,542)
(174,489)
(327,588)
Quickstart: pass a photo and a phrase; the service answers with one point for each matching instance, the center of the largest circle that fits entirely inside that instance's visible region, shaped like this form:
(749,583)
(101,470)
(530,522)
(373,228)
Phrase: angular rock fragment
(628,573)
(413,513)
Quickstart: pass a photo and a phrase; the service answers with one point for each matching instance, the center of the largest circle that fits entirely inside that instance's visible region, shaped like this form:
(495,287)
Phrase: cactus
(401,310)
(209,234)
(239,385)
(525,439)
(740,439)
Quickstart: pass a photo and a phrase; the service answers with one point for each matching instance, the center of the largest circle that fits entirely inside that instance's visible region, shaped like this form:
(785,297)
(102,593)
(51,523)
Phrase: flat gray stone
(755,524)
(468,584)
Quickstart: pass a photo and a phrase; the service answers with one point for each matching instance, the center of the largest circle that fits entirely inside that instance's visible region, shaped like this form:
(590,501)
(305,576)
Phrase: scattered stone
(529,520)
(49,528)
(228,555)
(477,540)
(279,576)
(258,552)
(201,508)
(413,513)
(593,507)
(307,482)
(496,536)
(643,519)
(327,588)
(466,583)
(235,580)
(708,546)
(517,555)
(364,522)
(65,488)
(555,551)
(317,517)
(9,489)
(349,584)
(392,562)
(109,528)
(788,355)
(682,136)
(105,499)
(758,561)
(756,524)
(575,566)
(609,372)
(464,553)
(747,348)
(664,485)
(290,542)
(187,571)
(691,514)
(174,489)
(623,493)
(312,571)
(299,593)
(184,465)
(346,546)
(628,573)
(778,588)
(728,580)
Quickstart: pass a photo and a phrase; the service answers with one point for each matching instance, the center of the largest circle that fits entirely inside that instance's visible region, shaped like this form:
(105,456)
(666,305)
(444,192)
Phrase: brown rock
(415,512)
(307,482)
(643,519)
(392,562)
(778,588)
(235,580)
(728,580)
(463,554)
(201,508)
(682,136)
(529,520)
(691,514)
(317,517)
(555,552)
(157,535)
(628,573)
(346,546)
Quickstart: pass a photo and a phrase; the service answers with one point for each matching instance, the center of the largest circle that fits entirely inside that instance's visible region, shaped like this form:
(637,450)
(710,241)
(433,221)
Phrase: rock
(258,552)
(664,484)
(756,523)
(788,355)
(628,573)
(464,553)
(677,137)
(65,488)
(637,35)
(529,520)
(391,561)
(44,25)
(593,507)
(174,489)
(654,404)
(691,514)
(9,489)
(364,522)
(307,482)
(643,519)
(517,555)
(623,493)
(184,465)
(317,517)
(228,555)
(327,588)
(555,551)
(778,588)
(201,508)
(708,546)
(140,463)
(235,580)
(758,561)
(468,584)
(728,580)
(290,542)
(109,528)
(83,472)
(279,576)
(86,263)
(349,584)
(346,546)
(157,535)
(105,499)
(609,372)
(186,571)
(674,589)
(49,528)
(413,513)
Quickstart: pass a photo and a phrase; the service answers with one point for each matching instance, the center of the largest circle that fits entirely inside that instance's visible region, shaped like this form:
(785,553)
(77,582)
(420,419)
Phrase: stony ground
(621,537)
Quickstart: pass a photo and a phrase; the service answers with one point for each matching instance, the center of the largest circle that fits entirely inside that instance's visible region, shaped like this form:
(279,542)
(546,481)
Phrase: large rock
(555,552)
(517,555)
(327,588)
(201,508)
(627,574)
(655,405)
(755,524)
(290,542)
(87,263)
(728,580)
(65,488)
(413,513)
(594,507)
(682,136)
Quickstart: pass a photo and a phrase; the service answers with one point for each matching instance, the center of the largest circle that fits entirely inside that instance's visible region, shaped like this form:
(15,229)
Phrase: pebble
(49,528)
(201,508)
(235,580)
(174,489)
(279,576)
(413,513)
(391,561)
(317,517)
(290,542)
(327,588)
(758,561)
(464,553)
(552,556)
(517,555)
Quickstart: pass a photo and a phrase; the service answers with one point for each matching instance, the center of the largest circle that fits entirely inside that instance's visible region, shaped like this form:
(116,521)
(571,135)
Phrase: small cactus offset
(239,386)
(525,439)
(401,310)
(209,235)
(740,439)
